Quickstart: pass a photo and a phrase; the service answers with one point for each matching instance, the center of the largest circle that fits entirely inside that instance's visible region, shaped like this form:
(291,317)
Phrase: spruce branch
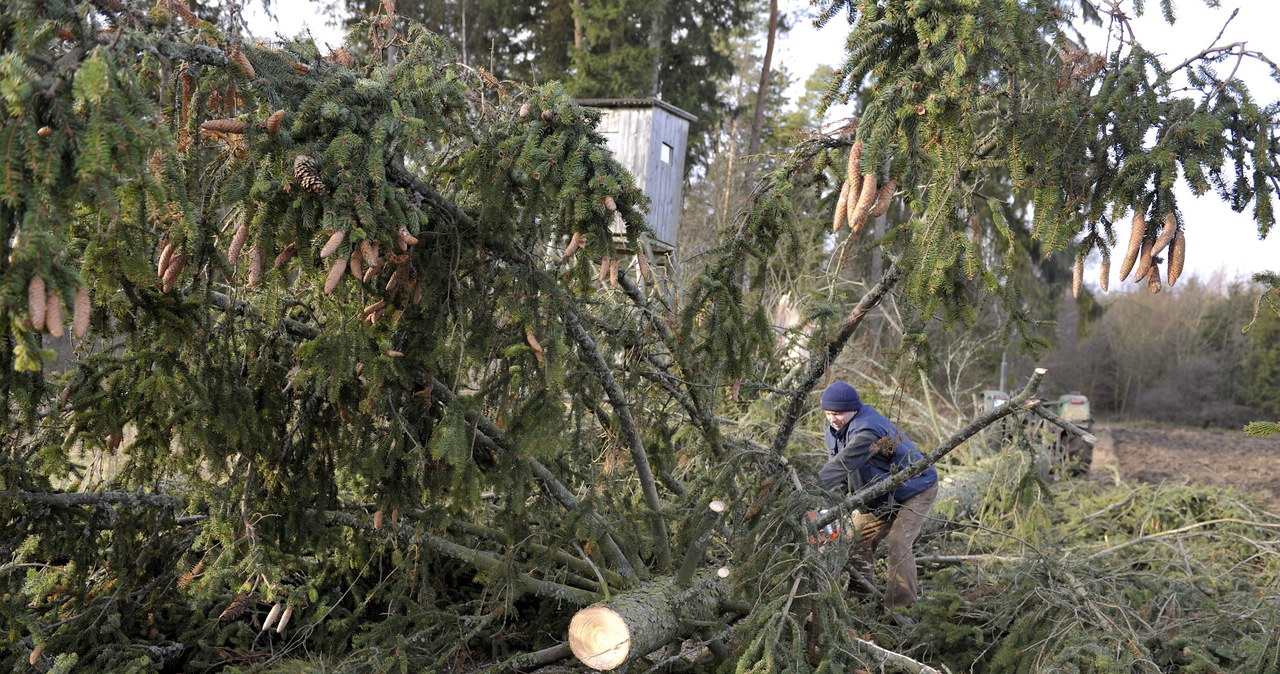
(115,498)
(690,398)
(693,555)
(1065,425)
(1180,530)
(479,559)
(583,566)
(573,324)
(823,356)
(486,432)
(885,656)
(622,409)
(527,662)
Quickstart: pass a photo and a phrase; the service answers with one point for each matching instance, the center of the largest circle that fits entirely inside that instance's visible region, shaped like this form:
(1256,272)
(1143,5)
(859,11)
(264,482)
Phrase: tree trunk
(577,24)
(658,39)
(606,635)
(757,125)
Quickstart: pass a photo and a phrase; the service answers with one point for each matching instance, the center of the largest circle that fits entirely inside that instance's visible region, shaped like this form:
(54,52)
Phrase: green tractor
(1067,450)
(1073,452)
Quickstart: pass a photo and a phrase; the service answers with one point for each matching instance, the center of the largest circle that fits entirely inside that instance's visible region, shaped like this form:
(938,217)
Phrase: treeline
(1203,354)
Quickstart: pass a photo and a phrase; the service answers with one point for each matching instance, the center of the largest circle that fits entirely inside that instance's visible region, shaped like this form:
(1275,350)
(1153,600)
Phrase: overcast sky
(1219,241)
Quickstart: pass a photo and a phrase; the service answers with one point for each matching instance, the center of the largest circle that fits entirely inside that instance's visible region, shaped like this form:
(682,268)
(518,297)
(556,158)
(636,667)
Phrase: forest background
(336,403)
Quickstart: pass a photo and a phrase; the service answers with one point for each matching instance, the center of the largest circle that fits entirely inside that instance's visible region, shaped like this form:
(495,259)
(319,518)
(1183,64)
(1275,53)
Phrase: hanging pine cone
(883,198)
(342,56)
(1144,262)
(237,243)
(191,574)
(170,278)
(534,344)
(1135,243)
(406,238)
(238,57)
(36,303)
(180,8)
(853,175)
(284,619)
(331,246)
(80,319)
(397,278)
(1166,233)
(842,208)
(576,242)
(1104,274)
(335,274)
(285,255)
(271,618)
(866,199)
(1077,277)
(355,265)
(273,122)
(369,251)
(306,172)
(166,255)
(235,608)
(53,315)
(1177,257)
(255,266)
(224,125)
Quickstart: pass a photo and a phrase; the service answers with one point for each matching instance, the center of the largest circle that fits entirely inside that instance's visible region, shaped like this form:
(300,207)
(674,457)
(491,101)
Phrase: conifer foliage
(360,336)
(324,295)
(959,92)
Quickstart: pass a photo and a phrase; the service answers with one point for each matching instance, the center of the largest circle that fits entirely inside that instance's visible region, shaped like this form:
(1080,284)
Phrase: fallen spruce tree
(385,390)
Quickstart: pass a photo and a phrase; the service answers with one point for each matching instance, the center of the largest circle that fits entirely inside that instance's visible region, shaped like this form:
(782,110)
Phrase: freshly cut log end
(599,638)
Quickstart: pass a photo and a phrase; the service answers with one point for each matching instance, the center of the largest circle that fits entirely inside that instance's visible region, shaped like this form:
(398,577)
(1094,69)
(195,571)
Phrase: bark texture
(609,634)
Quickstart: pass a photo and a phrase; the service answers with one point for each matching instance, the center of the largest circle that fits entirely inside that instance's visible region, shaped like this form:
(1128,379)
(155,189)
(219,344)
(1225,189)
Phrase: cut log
(609,634)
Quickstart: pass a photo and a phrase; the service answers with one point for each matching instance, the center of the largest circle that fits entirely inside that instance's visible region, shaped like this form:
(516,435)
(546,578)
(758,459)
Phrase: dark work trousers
(901,527)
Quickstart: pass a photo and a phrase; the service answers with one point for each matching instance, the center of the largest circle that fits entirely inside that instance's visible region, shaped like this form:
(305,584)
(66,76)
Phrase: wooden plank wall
(666,175)
(637,137)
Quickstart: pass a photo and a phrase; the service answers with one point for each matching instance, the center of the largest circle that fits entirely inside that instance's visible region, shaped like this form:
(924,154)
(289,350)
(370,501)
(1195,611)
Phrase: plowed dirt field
(1150,454)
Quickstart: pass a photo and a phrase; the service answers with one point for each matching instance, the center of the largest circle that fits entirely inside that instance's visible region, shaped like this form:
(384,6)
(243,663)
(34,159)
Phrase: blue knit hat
(841,397)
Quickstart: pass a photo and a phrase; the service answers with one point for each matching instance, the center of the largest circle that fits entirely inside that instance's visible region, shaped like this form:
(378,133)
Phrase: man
(866,448)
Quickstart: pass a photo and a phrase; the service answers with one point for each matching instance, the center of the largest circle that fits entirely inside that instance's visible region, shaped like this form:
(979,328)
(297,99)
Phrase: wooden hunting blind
(649,138)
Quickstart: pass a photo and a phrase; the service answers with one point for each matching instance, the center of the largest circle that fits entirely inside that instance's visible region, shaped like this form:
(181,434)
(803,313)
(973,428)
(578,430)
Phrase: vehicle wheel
(1077,455)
